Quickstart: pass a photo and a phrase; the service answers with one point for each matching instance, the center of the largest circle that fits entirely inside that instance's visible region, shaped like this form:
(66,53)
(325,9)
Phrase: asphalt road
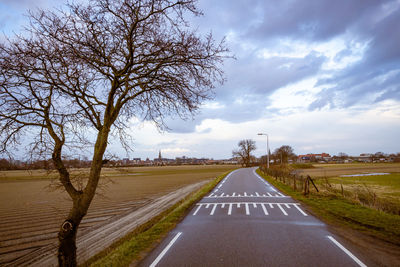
(247,222)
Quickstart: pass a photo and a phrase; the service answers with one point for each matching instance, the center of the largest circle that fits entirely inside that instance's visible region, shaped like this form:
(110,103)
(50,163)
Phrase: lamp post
(267,148)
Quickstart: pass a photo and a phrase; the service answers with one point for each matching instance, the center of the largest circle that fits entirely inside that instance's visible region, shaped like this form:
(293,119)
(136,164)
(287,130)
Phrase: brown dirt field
(31,212)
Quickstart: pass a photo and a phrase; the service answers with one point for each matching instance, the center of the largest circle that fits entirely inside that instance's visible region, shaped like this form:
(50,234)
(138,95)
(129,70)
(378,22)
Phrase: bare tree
(86,71)
(284,153)
(246,146)
(342,155)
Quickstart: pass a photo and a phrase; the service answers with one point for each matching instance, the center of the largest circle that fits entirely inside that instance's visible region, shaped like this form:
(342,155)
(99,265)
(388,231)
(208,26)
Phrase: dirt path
(101,228)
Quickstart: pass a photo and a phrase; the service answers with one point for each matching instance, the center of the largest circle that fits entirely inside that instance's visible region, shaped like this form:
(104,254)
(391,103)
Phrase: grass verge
(133,246)
(336,210)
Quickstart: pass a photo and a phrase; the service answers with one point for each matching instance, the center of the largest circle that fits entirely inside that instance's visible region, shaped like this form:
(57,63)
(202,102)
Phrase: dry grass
(381,192)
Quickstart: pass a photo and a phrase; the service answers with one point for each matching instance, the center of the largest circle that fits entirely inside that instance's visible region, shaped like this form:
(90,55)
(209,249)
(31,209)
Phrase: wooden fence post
(301,182)
(306,190)
(313,183)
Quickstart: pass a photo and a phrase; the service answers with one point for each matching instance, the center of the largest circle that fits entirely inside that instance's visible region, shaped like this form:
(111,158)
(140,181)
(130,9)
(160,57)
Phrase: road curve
(247,222)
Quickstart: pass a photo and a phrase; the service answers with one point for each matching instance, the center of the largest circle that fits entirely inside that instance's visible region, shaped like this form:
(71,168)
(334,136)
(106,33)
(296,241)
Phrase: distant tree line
(6,164)
(285,155)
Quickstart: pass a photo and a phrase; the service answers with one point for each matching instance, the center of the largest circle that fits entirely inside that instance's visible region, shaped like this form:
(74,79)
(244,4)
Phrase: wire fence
(298,182)
(359,193)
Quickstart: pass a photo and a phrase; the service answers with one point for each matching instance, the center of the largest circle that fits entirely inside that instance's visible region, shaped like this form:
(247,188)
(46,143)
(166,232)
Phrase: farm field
(379,191)
(334,170)
(32,209)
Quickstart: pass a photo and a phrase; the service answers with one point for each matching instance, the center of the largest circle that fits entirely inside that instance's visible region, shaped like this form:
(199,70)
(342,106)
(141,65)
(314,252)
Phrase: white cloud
(354,130)
(295,96)
(289,48)
(269,90)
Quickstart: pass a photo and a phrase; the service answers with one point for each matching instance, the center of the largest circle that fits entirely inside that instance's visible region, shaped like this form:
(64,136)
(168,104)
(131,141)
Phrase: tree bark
(67,238)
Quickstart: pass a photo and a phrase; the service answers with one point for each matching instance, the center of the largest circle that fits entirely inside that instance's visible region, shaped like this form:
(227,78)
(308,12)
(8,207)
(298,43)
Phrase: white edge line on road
(157,260)
(267,184)
(223,181)
(354,258)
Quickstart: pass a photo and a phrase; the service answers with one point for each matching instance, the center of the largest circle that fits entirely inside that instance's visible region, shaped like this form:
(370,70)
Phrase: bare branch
(90,70)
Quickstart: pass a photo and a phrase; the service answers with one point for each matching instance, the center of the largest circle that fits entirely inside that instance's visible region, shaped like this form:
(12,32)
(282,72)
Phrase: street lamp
(267,148)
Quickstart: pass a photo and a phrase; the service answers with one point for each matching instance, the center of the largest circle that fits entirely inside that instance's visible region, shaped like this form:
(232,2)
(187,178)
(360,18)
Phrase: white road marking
(354,258)
(283,211)
(301,211)
(213,209)
(223,181)
(223,195)
(197,209)
(264,209)
(157,260)
(281,207)
(247,209)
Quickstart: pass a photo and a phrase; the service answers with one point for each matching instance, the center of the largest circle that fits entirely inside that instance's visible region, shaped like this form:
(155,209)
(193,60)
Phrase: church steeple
(159,155)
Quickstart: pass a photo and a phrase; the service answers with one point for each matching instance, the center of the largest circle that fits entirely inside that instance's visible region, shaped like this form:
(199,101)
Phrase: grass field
(334,170)
(378,191)
(32,210)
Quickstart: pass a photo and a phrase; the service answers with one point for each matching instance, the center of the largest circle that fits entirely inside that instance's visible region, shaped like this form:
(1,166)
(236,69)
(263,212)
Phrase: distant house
(324,157)
(126,161)
(136,161)
(364,157)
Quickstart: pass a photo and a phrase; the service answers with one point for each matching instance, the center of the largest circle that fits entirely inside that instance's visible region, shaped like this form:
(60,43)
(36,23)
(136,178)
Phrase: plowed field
(31,211)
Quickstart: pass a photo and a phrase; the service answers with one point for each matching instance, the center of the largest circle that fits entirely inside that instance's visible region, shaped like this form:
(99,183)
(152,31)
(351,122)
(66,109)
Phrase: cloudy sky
(320,76)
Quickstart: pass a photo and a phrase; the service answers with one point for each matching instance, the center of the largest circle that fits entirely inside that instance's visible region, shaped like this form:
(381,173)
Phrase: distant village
(307,158)
(84,162)
(344,158)
(160,161)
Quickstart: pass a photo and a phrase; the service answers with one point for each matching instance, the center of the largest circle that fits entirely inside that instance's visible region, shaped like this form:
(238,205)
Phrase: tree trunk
(81,203)
(67,239)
